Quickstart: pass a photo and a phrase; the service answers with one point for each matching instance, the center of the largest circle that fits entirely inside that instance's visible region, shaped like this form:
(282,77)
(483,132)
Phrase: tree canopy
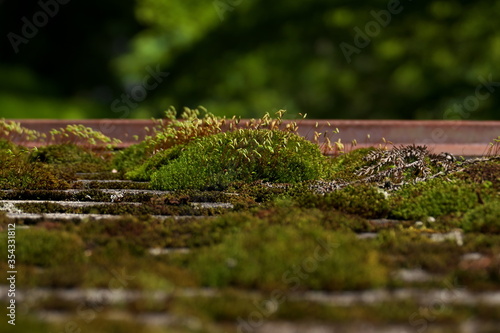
(330,59)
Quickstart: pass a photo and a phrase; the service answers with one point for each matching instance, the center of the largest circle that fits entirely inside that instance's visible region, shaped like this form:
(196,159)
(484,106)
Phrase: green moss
(288,214)
(134,234)
(16,173)
(483,173)
(91,318)
(47,168)
(144,171)
(479,279)
(71,158)
(484,218)
(25,324)
(131,157)
(41,207)
(62,154)
(172,131)
(101,175)
(290,259)
(121,209)
(203,232)
(258,191)
(54,195)
(142,233)
(44,248)
(436,197)
(414,250)
(363,200)
(247,310)
(8,147)
(285,239)
(484,243)
(215,161)
(183,197)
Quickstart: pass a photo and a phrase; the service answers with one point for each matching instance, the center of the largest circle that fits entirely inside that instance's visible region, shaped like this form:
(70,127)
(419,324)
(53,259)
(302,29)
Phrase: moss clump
(483,173)
(258,191)
(364,200)
(45,168)
(244,155)
(95,195)
(173,130)
(70,157)
(132,234)
(143,171)
(183,197)
(290,259)
(44,248)
(150,232)
(288,214)
(138,234)
(484,218)
(7,146)
(203,232)
(121,209)
(130,157)
(62,154)
(436,197)
(16,173)
(409,249)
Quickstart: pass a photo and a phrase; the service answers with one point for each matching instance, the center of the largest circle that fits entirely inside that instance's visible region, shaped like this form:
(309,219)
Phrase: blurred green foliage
(406,59)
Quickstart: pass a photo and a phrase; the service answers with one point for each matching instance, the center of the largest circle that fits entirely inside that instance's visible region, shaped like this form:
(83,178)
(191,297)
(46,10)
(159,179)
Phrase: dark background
(256,57)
